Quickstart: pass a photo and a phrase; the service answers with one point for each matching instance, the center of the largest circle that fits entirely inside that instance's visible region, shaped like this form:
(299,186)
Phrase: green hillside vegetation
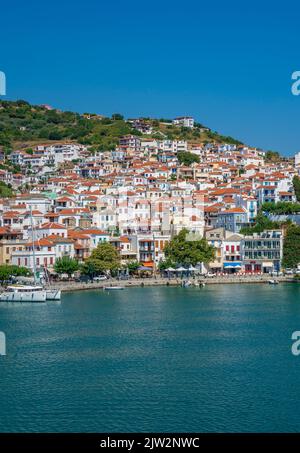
(23,125)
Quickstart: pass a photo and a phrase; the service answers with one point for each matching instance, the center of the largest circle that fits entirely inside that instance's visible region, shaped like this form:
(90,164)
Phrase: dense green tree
(187,158)
(5,190)
(132,266)
(282,207)
(89,269)
(187,249)
(117,116)
(163,265)
(291,247)
(8,271)
(272,156)
(296,184)
(66,265)
(262,223)
(104,258)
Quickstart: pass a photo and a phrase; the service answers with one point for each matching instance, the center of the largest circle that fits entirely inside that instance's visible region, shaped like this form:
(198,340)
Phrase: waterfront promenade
(159,281)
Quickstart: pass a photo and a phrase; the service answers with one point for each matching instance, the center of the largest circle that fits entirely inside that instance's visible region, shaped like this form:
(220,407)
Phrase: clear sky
(229,64)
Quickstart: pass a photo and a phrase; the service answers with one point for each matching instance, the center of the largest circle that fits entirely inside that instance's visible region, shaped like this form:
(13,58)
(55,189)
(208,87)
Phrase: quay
(67,286)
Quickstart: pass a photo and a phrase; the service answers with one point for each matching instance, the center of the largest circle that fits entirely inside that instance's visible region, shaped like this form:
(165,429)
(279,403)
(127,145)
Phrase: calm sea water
(216,359)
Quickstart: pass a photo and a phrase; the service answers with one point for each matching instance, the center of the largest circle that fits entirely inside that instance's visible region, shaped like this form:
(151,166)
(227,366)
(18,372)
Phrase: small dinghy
(113,288)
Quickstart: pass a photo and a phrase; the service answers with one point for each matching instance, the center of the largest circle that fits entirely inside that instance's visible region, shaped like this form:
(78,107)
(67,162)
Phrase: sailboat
(29,293)
(51,293)
(25,293)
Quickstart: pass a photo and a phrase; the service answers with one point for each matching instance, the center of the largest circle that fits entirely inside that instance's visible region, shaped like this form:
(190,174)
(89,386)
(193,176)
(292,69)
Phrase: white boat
(53,294)
(273,282)
(113,288)
(186,283)
(29,293)
(23,293)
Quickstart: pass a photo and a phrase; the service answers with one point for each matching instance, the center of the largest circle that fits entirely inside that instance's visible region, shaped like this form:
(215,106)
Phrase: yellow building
(10,241)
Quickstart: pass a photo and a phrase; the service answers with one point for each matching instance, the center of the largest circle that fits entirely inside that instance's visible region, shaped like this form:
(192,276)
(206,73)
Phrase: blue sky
(229,64)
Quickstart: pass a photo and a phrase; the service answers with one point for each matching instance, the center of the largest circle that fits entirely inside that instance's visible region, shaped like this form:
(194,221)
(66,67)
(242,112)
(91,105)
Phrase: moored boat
(53,294)
(113,288)
(23,293)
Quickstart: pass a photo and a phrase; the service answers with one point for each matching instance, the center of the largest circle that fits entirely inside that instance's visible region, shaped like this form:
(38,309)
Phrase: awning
(233,265)
(267,264)
(148,264)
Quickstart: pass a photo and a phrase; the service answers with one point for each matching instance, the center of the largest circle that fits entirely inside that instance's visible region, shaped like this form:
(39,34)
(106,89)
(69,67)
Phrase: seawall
(143,282)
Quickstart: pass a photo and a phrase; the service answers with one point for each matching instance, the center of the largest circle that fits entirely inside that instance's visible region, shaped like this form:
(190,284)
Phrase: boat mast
(33,245)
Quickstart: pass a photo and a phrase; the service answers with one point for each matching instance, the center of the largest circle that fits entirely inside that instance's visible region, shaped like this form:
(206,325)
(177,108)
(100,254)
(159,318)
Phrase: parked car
(210,275)
(289,271)
(99,278)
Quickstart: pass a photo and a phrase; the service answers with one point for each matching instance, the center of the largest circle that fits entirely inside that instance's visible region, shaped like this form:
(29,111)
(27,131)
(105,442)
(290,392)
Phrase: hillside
(23,125)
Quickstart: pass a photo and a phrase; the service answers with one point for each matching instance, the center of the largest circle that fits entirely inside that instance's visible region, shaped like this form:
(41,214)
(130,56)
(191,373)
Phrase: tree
(281,207)
(296,184)
(132,266)
(117,116)
(89,269)
(187,158)
(66,265)
(272,156)
(262,223)
(163,265)
(5,190)
(291,247)
(8,271)
(104,258)
(186,251)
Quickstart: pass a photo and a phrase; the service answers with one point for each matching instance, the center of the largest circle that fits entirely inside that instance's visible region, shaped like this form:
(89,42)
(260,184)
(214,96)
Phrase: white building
(63,152)
(185,121)
(44,252)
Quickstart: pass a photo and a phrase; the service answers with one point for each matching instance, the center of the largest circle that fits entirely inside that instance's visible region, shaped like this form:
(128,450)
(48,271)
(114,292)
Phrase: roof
(40,242)
(51,226)
(234,211)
